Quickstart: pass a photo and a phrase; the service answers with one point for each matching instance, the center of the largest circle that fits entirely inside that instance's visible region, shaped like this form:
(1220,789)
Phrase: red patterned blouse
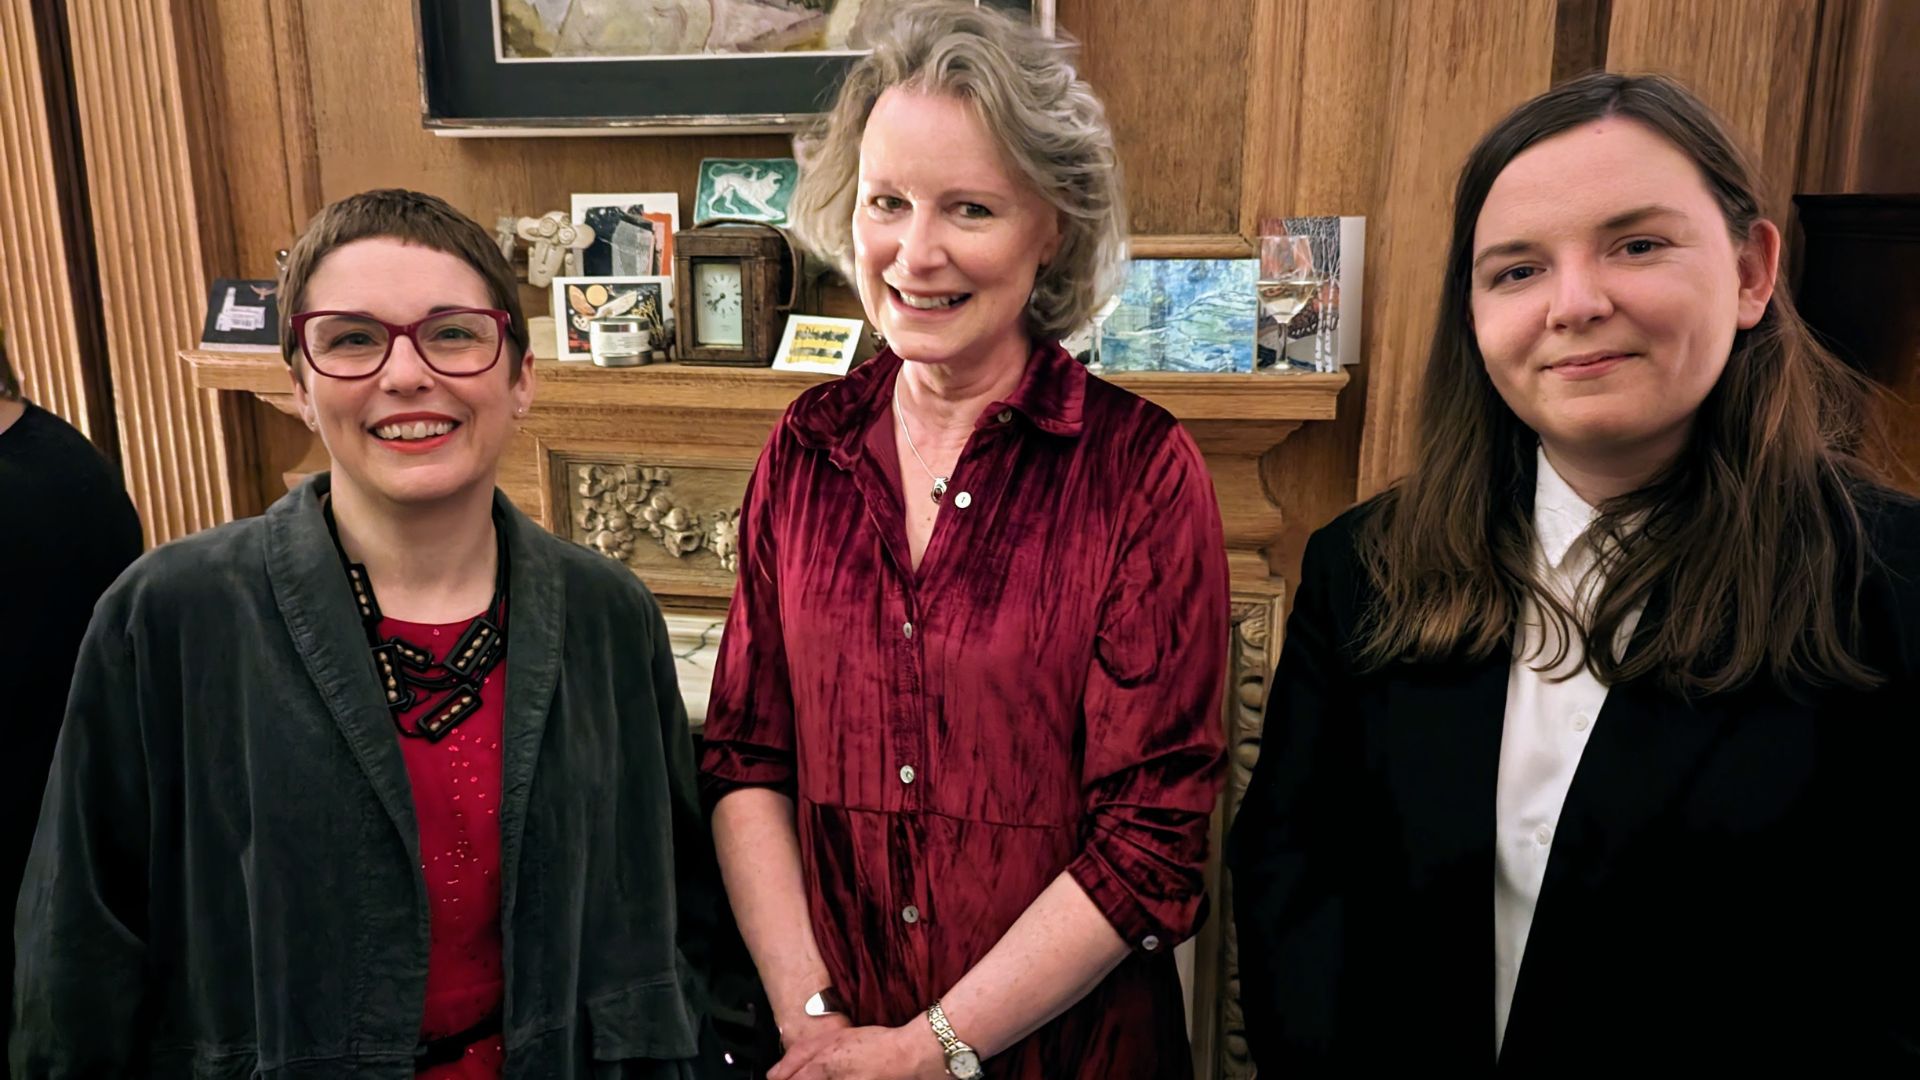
(1042,696)
(456,797)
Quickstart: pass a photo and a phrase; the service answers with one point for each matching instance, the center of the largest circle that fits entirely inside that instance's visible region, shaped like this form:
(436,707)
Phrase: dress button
(1580,721)
(910,914)
(1544,835)
(906,630)
(906,774)
(1005,416)
(963,500)
(1150,942)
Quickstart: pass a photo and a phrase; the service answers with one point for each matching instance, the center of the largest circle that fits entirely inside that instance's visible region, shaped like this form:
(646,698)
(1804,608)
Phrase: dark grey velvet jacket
(226,878)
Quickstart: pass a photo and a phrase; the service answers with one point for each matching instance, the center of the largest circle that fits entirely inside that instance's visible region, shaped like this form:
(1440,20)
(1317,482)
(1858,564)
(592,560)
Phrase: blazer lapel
(536,619)
(1645,748)
(310,589)
(1441,760)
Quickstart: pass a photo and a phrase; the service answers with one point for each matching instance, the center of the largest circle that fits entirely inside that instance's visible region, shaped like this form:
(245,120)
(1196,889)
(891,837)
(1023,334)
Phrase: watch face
(964,1065)
(717,304)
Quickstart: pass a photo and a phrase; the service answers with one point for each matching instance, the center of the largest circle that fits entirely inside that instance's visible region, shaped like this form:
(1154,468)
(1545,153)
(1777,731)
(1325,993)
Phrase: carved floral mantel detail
(618,510)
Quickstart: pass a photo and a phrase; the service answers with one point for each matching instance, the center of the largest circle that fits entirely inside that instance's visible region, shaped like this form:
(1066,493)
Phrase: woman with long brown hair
(1585,749)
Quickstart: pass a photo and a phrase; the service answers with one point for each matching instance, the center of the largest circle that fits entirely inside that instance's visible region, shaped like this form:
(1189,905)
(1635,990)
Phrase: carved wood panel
(1219,1027)
(673,524)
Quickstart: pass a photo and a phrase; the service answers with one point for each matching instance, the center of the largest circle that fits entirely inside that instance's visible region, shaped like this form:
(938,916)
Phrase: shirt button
(910,915)
(1544,835)
(1005,416)
(906,774)
(963,500)
(906,630)
(1580,721)
(1150,942)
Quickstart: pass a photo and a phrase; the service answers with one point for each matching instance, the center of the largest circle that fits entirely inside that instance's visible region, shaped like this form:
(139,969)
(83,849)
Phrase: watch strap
(943,1030)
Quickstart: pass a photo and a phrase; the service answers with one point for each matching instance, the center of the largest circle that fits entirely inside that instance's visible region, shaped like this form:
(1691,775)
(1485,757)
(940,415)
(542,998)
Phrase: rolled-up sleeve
(749,739)
(1154,744)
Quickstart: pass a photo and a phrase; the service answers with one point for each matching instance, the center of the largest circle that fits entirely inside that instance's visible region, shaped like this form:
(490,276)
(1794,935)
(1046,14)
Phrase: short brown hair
(410,217)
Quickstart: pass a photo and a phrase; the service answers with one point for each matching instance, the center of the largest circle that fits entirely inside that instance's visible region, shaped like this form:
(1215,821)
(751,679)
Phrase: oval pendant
(939,488)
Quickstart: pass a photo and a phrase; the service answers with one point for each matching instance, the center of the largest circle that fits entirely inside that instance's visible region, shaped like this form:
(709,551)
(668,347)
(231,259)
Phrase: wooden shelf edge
(1237,397)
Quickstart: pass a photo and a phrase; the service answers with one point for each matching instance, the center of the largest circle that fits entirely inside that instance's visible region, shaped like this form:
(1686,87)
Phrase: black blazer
(1731,884)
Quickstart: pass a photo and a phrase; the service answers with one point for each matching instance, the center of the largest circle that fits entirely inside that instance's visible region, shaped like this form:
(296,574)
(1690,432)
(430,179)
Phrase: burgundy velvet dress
(1041,696)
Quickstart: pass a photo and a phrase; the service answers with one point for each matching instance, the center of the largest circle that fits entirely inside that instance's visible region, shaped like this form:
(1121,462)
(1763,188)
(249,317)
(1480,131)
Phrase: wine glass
(1289,283)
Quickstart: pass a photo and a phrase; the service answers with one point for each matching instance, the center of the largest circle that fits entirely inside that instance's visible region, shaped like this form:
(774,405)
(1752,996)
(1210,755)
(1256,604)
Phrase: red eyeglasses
(353,345)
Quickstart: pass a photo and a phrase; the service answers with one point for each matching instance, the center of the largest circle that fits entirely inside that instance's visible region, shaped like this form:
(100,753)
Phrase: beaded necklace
(409,675)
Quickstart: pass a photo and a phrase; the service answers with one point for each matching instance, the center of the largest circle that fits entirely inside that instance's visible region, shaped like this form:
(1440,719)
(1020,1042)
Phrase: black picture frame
(465,89)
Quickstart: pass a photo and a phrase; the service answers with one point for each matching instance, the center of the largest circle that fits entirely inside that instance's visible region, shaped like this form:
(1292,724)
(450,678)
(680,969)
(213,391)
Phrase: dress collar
(1051,395)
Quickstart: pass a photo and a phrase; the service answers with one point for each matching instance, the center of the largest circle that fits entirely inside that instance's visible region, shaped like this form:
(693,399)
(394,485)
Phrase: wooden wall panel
(1313,100)
(1174,79)
(1861,134)
(48,341)
(366,120)
(1457,67)
(1751,60)
(132,110)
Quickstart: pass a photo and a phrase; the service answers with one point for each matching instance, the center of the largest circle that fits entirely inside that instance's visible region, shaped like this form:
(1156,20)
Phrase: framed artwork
(745,189)
(818,344)
(644,67)
(577,301)
(632,234)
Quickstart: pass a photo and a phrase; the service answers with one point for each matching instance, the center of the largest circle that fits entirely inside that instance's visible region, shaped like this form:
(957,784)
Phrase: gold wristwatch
(962,1062)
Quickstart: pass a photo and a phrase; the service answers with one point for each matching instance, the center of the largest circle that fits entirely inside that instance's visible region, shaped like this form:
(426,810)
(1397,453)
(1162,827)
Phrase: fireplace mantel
(677,436)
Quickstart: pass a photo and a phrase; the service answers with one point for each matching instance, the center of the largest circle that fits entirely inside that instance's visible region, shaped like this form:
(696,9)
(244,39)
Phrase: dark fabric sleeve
(80,1001)
(1154,744)
(1887,935)
(749,739)
(1283,853)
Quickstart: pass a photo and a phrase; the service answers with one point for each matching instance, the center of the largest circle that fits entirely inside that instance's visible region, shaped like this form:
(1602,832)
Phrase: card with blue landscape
(1192,315)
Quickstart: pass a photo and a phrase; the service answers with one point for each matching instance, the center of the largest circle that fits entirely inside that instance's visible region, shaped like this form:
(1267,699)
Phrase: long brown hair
(1752,535)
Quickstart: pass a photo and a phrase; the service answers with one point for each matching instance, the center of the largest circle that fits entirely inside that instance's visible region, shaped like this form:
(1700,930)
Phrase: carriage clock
(733,285)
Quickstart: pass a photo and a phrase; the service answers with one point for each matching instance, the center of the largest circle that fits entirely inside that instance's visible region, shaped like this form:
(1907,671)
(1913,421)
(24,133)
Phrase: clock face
(964,1065)
(717,304)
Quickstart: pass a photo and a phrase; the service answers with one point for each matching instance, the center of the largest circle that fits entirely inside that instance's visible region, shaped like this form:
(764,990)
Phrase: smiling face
(947,240)
(1606,291)
(408,435)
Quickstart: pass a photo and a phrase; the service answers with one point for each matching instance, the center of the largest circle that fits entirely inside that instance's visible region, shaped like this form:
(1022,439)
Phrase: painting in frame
(642,67)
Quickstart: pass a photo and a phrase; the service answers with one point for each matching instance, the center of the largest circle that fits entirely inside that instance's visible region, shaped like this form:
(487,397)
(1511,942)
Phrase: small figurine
(556,243)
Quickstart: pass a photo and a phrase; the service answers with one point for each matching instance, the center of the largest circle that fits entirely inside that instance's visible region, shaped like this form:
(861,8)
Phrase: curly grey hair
(1045,118)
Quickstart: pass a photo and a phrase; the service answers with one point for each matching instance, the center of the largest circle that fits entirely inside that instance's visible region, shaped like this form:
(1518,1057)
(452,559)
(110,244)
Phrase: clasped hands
(831,1048)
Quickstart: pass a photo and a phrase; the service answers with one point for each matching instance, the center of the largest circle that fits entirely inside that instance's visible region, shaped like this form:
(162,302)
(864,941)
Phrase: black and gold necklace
(409,675)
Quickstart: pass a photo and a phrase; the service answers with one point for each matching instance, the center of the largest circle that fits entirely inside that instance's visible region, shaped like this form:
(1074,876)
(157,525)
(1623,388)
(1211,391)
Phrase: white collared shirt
(1547,726)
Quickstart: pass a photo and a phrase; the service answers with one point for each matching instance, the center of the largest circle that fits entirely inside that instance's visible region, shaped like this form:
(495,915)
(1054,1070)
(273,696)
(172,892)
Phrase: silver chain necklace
(939,482)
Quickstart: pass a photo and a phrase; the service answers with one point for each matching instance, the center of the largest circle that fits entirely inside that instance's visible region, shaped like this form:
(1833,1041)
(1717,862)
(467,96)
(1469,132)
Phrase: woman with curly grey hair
(963,742)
